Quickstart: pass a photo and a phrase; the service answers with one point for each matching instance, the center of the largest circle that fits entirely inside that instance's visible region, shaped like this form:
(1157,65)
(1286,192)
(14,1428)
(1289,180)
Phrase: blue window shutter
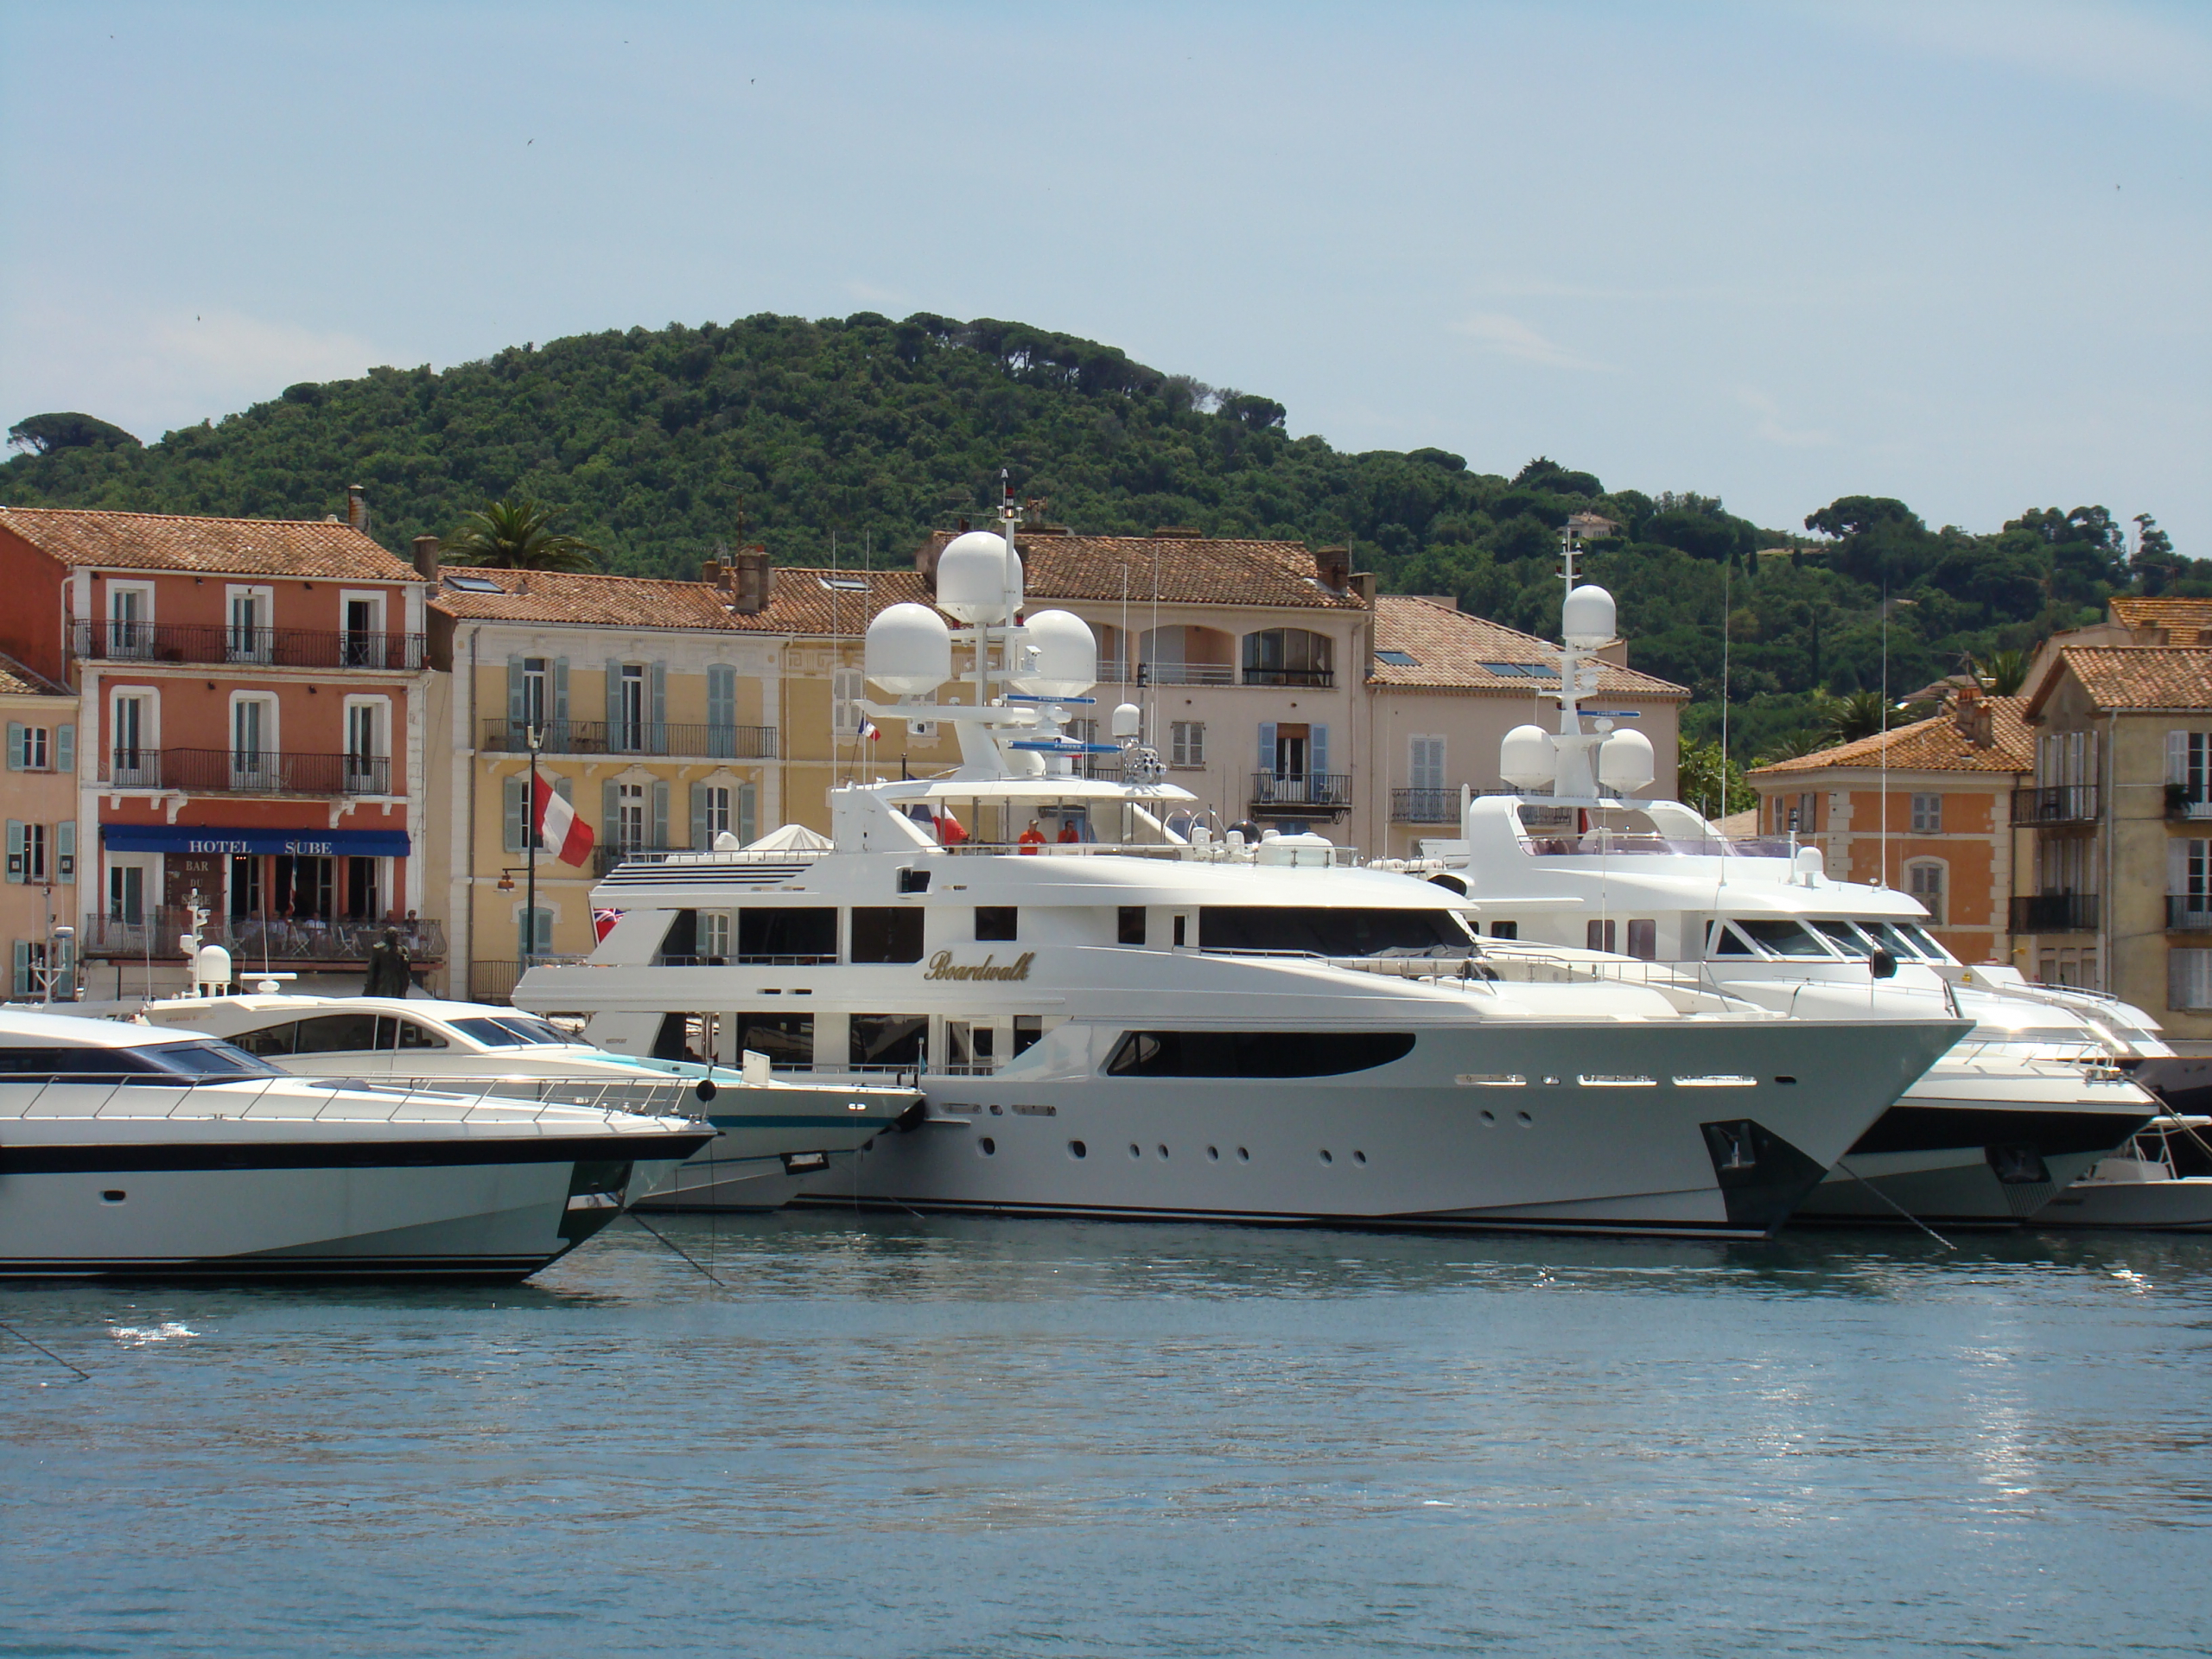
(510,833)
(614,702)
(610,807)
(747,824)
(560,701)
(22,968)
(65,748)
(518,711)
(722,710)
(15,746)
(1321,763)
(15,850)
(65,847)
(698,816)
(660,811)
(659,713)
(1267,746)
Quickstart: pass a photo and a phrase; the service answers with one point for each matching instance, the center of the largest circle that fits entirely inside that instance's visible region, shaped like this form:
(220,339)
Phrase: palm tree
(2002,673)
(517,533)
(1847,719)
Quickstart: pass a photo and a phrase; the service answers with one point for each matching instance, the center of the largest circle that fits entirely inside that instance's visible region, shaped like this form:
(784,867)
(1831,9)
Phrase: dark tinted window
(336,1034)
(1029,1031)
(763,933)
(414,1036)
(1256,1053)
(785,1039)
(682,938)
(888,1038)
(1505,930)
(1785,938)
(209,1058)
(490,1033)
(997,923)
(886,933)
(270,1039)
(73,1062)
(1129,927)
(1330,933)
(532,1031)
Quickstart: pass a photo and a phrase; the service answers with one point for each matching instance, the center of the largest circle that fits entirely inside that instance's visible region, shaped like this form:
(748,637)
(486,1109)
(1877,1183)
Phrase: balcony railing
(1113,672)
(2056,913)
(1323,677)
(1311,791)
(1425,806)
(262,771)
(2184,807)
(506,737)
(2061,803)
(211,642)
(2189,913)
(252,940)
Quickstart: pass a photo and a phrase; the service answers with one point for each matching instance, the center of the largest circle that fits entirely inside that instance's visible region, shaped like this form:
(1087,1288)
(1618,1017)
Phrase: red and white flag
(560,831)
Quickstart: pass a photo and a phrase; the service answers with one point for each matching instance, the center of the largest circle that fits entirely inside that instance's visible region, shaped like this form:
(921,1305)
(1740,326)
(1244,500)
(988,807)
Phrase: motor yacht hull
(1651,1139)
(249,1206)
(2179,1205)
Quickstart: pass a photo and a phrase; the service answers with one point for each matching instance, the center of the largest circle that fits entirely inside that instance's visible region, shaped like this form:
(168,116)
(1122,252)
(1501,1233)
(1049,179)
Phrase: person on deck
(1032,839)
(1068,831)
(388,974)
(950,832)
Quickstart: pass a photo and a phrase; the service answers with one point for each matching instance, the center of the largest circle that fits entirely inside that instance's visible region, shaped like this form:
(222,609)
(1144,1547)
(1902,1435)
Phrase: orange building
(1947,786)
(249,728)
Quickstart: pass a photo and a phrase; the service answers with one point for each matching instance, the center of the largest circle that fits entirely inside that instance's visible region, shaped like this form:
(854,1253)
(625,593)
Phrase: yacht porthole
(1490,1120)
(1213,1155)
(1325,1156)
(113,1195)
(988,1147)
(997,1110)
(1162,1151)
(1242,1156)
(1076,1149)
(1135,1151)
(1359,1157)
(1523,1119)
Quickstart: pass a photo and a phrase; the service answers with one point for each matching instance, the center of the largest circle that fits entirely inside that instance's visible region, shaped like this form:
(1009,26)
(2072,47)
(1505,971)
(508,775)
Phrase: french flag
(870,730)
(560,831)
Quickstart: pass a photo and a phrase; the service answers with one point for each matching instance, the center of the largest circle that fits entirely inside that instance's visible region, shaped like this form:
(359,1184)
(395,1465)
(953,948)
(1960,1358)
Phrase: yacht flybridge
(1143,1018)
(2031,1096)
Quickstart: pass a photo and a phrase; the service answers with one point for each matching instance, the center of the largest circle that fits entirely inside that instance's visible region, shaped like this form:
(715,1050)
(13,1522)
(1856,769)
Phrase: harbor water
(927,1436)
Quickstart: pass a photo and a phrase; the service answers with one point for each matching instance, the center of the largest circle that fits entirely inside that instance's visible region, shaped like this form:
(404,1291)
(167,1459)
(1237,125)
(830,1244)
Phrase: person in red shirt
(1032,839)
(1069,832)
(950,830)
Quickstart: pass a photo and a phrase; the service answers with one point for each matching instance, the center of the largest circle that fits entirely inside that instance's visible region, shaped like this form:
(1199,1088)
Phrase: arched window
(1289,657)
(1925,880)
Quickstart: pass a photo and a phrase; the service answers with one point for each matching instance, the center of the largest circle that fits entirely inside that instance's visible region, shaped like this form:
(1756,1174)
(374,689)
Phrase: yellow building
(40,803)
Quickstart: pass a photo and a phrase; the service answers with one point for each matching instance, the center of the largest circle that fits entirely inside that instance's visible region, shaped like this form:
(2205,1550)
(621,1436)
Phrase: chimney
(925,560)
(1333,566)
(751,583)
(426,558)
(1972,715)
(1363,587)
(357,508)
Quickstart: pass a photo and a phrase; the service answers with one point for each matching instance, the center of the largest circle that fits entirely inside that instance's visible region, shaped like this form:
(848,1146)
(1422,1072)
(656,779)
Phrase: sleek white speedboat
(1137,1022)
(2031,1096)
(770,1134)
(2161,1181)
(130,1149)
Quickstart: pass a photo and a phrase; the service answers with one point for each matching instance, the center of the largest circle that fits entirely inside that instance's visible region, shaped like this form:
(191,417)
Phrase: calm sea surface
(940,1437)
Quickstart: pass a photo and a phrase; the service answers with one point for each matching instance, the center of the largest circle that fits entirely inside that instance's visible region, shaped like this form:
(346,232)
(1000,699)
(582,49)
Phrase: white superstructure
(135,1150)
(1147,1019)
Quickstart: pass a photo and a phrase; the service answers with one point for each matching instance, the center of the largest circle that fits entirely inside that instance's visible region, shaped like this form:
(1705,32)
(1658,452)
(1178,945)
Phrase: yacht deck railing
(507,1100)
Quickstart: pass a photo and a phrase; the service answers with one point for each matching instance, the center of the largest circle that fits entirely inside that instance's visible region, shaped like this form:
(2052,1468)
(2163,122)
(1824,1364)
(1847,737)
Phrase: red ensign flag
(560,831)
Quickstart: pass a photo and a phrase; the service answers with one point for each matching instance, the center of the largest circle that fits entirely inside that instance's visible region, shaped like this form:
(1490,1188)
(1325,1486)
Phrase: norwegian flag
(602,922)
(560,831)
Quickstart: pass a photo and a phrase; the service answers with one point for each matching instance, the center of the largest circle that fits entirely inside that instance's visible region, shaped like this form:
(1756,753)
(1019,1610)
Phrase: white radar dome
(1587,618)
(1128,721)
(973,583)
(1525,759)
(1625,762)
(1067,660)
(909,650)
(211,966)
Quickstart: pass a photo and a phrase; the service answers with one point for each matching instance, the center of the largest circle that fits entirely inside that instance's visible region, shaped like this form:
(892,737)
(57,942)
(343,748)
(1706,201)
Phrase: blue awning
(202,838)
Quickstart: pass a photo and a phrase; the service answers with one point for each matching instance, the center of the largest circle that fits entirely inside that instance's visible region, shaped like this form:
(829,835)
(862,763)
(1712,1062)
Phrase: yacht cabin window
(800,934)
(1333,932)
(786,1038)
(886,933)
(1725,941)
(1643,939)
(888,1038)
(1129,924)
(1780,936)
(1254,1053)
(1843,936)
(1029,1031)
(997,923)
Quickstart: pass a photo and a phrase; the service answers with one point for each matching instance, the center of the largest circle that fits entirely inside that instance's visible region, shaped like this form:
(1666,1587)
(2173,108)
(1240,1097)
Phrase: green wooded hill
(660,446)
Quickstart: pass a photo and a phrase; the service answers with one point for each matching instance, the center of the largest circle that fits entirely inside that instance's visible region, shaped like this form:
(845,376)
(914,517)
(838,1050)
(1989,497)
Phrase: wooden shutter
(517,709)
(658,714)
(16,740)
(748,829)
(613,704)
(1320,752)
(65,748)
(65,850)
(1267,746)
(699,814)
(15,850)
(511,804)
(660,811)
(610,810)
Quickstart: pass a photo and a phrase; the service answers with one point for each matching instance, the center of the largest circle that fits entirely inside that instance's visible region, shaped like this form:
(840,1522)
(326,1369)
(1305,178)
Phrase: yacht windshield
(1892,940)
(1780,936)
(206,1059)
(1843,935)
(1926,941)
(511,1031)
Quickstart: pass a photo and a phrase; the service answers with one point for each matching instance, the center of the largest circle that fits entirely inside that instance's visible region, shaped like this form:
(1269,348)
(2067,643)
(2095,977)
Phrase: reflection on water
(967,1437)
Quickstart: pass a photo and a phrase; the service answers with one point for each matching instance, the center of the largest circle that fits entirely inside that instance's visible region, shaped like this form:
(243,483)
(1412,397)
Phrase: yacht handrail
(433,1098)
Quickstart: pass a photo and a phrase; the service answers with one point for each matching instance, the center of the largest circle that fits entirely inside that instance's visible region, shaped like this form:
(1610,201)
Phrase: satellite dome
(973,583)
(1624,762)
(1587,618)
(1525,759)
(1128,721)
(1065,663)
(909,651)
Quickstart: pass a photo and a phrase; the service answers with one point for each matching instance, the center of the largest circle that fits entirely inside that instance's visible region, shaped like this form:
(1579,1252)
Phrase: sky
(1777,253)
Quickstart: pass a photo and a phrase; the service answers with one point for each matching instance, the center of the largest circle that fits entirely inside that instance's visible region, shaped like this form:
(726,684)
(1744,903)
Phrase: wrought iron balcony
(259,772)
(213,642)
(710,742)
(1114,671)
(1303,791)
(2054,912)
(251,940)
(1425,806)
(2189,913)
(2059,803)
(2185,805)
(1321,677)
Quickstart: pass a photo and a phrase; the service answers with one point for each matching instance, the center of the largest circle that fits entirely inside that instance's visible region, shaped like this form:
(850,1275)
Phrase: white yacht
(2161,1181)
(770,1134)
(1142,1021)
(2030,1098)
(128,1149)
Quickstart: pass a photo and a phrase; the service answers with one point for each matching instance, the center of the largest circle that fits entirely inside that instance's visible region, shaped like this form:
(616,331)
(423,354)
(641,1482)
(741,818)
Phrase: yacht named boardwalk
(1143,1016)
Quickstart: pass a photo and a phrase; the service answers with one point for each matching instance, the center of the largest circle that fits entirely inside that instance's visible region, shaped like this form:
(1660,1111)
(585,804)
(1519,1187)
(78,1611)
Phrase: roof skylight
(1398,658)
(473,585)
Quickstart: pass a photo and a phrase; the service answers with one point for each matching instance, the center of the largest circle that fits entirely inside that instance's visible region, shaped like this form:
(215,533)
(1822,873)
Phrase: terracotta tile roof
(1452,650)
(1932,745)
(575,596)
(2136,677)
(16,680)
(243,547)
(1193,570)
(805,602)
(2132,611)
